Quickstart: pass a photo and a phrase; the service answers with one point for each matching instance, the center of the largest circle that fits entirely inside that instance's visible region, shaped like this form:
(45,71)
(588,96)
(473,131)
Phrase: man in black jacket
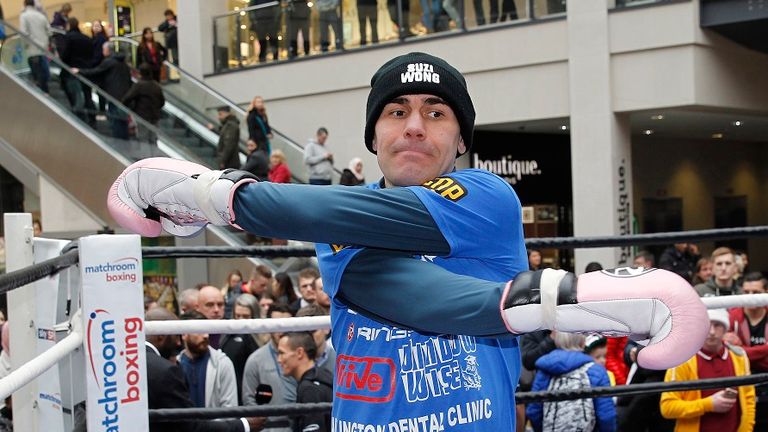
(296,353)
(78,53)
(115,76)
(167,388)
(146,99)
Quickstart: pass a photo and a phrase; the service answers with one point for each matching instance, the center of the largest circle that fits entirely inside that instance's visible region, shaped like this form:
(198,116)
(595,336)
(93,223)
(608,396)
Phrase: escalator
(77,149)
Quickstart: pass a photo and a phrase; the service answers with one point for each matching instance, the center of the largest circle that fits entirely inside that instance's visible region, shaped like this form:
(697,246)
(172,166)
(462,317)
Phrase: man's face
(242,312)
(416,139)
(276,336)
(724,267)
(210,303)
(259,285)
(306,288)
(754,287)
(264,304)
(197,344)
(320,296)
(223,115)
(288,357)
(321,137)
(715,337)
(170,346)
(599,355)
(640,262)
(705,272)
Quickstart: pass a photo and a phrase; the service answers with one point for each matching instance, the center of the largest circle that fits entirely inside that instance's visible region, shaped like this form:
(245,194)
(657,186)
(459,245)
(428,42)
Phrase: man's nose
(414,127)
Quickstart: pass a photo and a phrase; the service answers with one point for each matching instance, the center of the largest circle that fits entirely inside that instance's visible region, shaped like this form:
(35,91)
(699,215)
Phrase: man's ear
(373,144)
(462,147)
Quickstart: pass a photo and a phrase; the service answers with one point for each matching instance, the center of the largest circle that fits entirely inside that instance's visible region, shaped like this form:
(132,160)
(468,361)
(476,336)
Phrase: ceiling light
(648,131)
(563,127)
(237,8)
(310,4)
(242,13)
(242,26)
(737,123)
(657,117)
(717,135)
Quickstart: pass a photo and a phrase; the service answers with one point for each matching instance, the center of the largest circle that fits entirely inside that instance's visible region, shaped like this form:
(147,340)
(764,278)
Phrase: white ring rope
(268,325)
(732,301)
(35,367)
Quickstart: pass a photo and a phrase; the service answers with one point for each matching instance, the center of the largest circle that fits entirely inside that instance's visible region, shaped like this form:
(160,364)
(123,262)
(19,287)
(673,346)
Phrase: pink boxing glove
(177,196)
(650,305)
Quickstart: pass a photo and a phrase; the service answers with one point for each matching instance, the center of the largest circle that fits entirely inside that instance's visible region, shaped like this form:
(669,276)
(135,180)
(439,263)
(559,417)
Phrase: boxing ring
(82,303)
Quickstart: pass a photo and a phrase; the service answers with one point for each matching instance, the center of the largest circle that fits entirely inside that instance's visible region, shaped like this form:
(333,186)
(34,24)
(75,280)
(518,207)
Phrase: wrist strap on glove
(214,192)
(534,296)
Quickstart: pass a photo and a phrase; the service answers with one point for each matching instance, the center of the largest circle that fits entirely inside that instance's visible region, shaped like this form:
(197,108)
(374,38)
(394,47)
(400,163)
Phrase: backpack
(576,415)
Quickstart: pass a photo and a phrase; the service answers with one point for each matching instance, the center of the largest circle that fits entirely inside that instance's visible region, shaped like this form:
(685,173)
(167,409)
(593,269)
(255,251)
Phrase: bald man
(210,302)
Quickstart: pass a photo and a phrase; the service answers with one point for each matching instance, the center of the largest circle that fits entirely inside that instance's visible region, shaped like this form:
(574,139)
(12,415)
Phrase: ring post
(113,322)
(22,310)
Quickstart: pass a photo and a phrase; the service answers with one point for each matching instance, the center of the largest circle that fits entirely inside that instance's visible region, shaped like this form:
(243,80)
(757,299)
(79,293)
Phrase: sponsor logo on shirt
(366,379)
(386,334)
(447,188)
(338,248)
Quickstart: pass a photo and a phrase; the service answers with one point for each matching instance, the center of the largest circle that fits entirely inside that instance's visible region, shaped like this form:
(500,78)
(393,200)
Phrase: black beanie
(419,73)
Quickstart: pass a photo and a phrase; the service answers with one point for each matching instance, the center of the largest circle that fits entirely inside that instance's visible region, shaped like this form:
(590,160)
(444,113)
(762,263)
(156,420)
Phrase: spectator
(534,259)
(149,303)
(238,347)
(724,270)
(404,27)
(642,413)
(35,25)
(78,53)
(260,280)
(258,124)
(298,19)
(151,52)
(749,331)
(730,409)
(278,171)
(679,259)
(643,259)
(146,99)
(257,162)
(296,353)
(58,22)
(322,298)
(227,152)
(368,10)
(167,387)
(262,371)
(742,265)
(188,299)
(353,175)
(209,372)
(210,303)
(596,346)
(328,11)
(306,288)
(282,289)
(169,28)
(593,266)
(37,228)
(431,14)
(318,159)
(615,358)
(231,291)
(567,367)
(98,38)
(325,357)
(703,271)
(265,23)
(115,76)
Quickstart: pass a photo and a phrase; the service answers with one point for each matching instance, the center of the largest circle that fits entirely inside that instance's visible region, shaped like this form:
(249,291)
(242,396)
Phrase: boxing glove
(653,305)
(177,196)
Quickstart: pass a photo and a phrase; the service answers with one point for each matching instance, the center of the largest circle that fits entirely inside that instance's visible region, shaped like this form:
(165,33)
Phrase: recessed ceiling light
(737,123)
(657,117)
(242,13)
(563,127)
(648,131)
(717,135)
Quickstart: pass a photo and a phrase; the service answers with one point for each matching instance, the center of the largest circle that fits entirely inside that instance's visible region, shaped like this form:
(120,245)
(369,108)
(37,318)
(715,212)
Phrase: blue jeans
(41,73)
(118,121)
(429,16)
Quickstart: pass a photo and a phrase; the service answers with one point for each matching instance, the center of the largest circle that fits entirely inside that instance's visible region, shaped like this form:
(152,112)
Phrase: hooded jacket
(559,362)
(710,288)
(227,153)
(316,385)
(758,355)
(113,74)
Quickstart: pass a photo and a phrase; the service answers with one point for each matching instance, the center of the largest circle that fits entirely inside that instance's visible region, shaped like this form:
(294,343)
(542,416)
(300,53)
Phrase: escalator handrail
(98,90)
(226,101)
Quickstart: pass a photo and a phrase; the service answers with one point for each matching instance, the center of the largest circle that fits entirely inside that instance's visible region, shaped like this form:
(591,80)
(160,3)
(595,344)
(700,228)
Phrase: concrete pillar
(196,34)
(600,140)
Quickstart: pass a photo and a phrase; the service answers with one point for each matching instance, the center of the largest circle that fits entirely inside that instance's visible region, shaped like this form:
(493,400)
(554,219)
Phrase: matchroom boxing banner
(113,322)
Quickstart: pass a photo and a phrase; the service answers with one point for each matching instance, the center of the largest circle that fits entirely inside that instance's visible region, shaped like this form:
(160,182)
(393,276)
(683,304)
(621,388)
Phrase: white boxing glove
(177,196)
(654,305)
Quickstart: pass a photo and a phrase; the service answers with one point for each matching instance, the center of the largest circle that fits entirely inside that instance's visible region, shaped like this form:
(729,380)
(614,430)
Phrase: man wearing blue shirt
(419,266)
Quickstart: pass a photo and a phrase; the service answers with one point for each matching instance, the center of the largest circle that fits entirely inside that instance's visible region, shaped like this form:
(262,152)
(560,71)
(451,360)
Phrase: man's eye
(435,114)
(398,113)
